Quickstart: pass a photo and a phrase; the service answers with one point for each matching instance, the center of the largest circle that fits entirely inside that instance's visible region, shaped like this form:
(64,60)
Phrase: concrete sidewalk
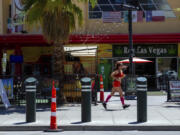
(161,116)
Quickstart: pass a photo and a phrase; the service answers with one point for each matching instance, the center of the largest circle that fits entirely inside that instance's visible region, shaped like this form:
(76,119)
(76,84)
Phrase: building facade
(102,42)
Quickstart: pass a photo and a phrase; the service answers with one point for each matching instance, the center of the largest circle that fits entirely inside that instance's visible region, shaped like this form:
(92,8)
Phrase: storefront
(164,59)
(162,49)
(22,62)
(23,56)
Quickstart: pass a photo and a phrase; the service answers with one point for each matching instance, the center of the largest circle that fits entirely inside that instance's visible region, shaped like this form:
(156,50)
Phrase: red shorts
(116,83)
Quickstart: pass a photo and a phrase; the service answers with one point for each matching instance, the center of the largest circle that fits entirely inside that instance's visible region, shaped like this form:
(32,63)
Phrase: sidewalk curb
(93,128)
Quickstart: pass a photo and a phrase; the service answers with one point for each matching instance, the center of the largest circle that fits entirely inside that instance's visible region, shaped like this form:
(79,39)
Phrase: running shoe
(125,106)
(104,105)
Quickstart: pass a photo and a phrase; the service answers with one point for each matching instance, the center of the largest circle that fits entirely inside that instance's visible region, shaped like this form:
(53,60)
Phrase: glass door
(167,70)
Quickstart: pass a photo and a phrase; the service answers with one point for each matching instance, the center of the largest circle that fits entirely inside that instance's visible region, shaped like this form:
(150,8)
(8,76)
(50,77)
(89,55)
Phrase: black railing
(71,91)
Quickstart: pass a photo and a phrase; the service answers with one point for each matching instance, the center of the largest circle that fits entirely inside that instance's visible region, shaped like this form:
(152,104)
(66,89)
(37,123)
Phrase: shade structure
(135,60)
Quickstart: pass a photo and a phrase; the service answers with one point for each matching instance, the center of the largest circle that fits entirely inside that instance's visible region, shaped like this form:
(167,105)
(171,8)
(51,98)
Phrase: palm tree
(57,19)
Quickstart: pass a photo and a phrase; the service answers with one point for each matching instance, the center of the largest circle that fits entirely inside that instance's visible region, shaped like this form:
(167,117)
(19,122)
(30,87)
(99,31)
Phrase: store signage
(105,50)
(3,95)
(15,23)
(162,50)
(131,84)
(4,63)
(16,59)
(110,17)
(174,85)
(19,4)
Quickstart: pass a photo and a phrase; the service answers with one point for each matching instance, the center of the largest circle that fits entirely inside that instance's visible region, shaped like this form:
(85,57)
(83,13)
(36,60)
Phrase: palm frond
(28,4)
(57,17)
(93,2)
(77,12)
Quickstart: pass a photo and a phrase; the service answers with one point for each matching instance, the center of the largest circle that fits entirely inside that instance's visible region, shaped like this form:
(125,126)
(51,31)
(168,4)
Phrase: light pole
(131,50)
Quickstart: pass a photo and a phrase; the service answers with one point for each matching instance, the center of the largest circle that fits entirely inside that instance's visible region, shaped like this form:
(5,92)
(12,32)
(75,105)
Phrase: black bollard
(30,87)
(86,100)
(30,106)
(141,87)
(168,92)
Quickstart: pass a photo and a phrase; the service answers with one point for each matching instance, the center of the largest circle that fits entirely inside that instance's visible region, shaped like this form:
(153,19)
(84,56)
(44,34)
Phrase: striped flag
(125,15)
(140,16)
(137,16)
(158,15)
(134,16)
(109,17)
(148,16)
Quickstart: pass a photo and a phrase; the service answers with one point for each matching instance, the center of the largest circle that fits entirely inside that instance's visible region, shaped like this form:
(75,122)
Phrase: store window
(80,59)
(115,5)
(41,67)
(167,67)
(157,5)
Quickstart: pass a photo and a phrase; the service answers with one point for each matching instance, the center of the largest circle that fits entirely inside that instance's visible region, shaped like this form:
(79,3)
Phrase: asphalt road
(94,133)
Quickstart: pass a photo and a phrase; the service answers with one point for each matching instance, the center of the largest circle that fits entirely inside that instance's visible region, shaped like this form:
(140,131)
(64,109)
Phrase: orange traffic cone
(101,89)
(53,124)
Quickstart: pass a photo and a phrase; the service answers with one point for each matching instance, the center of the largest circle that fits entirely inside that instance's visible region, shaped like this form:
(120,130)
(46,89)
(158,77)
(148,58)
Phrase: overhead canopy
(38,40)
(82,50)
(135,60)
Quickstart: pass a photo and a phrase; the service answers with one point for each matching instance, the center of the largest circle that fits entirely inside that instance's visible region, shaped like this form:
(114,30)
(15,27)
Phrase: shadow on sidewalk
(111,110)
(174,105)
(136,122)
(22,123)
(10,110)
(79,122)
(22,110)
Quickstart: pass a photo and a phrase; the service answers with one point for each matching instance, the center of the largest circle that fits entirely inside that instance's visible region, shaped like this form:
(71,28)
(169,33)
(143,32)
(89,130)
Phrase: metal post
(96,89)
(30,87)
(30,106)
(131,51)
(168,92)
(141,99)
(86,99)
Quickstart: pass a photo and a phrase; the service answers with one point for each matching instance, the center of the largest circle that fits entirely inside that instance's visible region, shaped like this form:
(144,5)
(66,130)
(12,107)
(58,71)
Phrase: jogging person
(117,76)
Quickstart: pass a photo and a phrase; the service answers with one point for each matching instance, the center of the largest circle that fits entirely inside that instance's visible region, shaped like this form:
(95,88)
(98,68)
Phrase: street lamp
(131,50)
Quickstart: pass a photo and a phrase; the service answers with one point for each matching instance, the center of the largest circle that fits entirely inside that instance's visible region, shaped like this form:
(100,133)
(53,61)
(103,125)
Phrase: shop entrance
(147,70)
(167,70)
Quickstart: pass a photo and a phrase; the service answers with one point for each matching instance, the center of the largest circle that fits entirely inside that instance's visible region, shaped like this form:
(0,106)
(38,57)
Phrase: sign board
(159,50)
(19,4)
(130,84)
(16,59)
(109,17)
(8,86)
(4,95)
(105,51)
(174,87)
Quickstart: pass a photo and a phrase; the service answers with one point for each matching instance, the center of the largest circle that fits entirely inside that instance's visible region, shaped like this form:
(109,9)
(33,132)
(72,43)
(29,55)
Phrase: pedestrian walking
(117,76)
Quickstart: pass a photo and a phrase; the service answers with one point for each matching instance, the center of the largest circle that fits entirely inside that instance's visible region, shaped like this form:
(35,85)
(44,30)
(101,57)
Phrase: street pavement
(161,116)
(94,133)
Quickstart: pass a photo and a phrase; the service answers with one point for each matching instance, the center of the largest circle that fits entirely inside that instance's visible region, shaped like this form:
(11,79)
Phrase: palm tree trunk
(58,69)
